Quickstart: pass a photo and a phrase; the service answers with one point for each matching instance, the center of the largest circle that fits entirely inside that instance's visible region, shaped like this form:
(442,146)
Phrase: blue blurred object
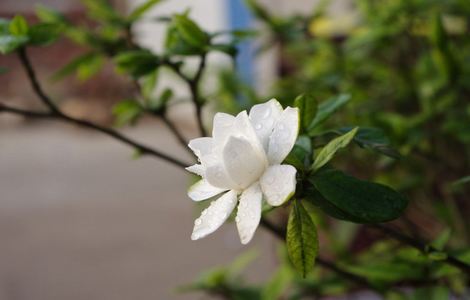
(240,18)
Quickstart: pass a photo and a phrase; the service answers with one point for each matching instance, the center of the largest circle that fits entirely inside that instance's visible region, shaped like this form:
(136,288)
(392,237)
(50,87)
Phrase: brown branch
(56,113)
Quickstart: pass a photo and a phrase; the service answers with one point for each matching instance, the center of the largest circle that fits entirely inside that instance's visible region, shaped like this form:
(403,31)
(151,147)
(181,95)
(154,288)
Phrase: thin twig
(361,281)
(422,246)
(56,113)
(194,89)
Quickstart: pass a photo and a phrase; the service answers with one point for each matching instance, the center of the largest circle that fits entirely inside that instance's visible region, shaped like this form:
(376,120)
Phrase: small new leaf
(301,239)
(308,109)
(190,31)
(127,111)
(19,26)
(327,153)
(140,10)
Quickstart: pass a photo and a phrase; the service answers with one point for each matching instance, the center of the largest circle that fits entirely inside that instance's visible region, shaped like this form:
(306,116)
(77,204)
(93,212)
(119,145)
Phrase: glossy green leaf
(301,239)
(18,26)
(361,201)
(140,10)
(328,152)
(327,108)
(308,109)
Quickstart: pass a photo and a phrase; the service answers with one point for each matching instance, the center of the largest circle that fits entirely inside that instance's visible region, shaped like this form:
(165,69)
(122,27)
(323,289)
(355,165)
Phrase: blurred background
(82,218)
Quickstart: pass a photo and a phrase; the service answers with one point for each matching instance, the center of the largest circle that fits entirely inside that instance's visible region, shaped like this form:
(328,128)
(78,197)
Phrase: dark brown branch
(361,281)
(422,246)
(56,113)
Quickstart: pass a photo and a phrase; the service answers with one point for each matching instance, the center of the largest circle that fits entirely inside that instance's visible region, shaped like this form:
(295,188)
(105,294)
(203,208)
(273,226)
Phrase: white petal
(201,146)
(215,215)
(202,190)
(263,117)
(196,169)
(222,127)
(249,212)
(278,184)
(284,135)
(243,163)
(215,172)
(244,128)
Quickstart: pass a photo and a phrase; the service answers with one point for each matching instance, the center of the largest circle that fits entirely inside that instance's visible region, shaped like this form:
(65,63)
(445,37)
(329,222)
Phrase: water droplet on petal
(197,222)
(237,219)
(258,126)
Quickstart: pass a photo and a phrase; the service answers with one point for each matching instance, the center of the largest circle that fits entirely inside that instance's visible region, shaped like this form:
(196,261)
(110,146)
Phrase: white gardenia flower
(243,160)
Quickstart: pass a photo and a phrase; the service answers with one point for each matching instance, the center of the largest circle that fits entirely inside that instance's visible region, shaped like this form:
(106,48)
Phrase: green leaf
(228,49)
(176,45)
(84,66)
(327,153)
(102,11)
(159,104)
(137,63)
(19,26)
(9,43)
(140,10)
(148,83)
(190,31)
(360,201)
(127,111)
(301,239)
(48,15)
(374,139)
(441,240)
(327,108)
(44,34)
(308,109)
(300,156)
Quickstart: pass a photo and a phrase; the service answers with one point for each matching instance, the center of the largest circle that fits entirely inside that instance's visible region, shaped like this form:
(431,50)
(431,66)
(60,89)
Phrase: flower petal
(216,173)
(222,127)
(249,212)
(264,117)
(201,146)
(278,184)
(203,190)
(197,169)
(284,135)
(215,215)
(244,128)
(243,163)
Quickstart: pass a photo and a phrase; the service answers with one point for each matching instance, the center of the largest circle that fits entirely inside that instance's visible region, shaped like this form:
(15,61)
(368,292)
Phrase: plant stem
(56,113)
